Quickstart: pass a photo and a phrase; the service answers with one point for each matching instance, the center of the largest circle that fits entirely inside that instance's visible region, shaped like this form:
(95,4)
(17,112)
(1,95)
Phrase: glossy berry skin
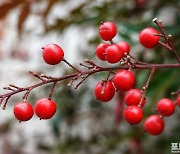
(124,80)
(124,46)
(52,54)
(104,91)
(154,125)
(23,111)
(100,51)
(45,108)
(113,54)
(107,31)
(133,114)
(147,37)
(133,97)
(178,101)
(165,107)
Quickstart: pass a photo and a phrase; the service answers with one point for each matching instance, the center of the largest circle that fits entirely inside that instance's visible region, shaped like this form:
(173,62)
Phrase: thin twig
(167,38)
(144,88)
(75,87)
(175,93)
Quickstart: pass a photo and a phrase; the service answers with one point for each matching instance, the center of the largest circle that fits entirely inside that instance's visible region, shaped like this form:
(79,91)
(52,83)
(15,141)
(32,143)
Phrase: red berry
(165,107)
(107,31)
(124,80)
(100,51)
(23,111)
(147,37)
(133,97)
(52,54)
(178,101)
(45,108)
(133,114)
(104,91)
(113,54)
(124,46)
(154,125)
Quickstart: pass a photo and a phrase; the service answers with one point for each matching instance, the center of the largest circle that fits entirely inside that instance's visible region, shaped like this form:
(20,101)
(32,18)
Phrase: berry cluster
(124,80)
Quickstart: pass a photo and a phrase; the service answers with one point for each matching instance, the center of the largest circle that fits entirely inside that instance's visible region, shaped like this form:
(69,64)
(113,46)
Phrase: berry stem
(64,60)
(111,41)
(52,90)
(108,75)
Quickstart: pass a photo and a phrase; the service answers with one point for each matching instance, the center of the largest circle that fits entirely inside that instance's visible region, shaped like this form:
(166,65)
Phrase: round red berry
(100,51)
(165,107)
(133,114)
(104,91)
(124,80)
(45,108)
(124,46)
(147,37)
(154,125)
(23,111)
(107,31)
(133,97)
(52,54)
(178,101)
(113,54)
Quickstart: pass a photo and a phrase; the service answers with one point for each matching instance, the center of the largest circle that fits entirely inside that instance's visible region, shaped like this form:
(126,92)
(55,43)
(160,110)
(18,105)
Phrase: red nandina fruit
(124,80)
(165,107)
(124,46)
(52,54)
(45,108)
(154,125)
(178,101)
(113,54)
(107,31)
(104,91)
(133,114)
(147,37)
(100,51)
(23,111)
(133,97)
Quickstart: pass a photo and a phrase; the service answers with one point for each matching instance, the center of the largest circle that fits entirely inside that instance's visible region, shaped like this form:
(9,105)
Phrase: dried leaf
(6,7)
(23,15)
(50,5)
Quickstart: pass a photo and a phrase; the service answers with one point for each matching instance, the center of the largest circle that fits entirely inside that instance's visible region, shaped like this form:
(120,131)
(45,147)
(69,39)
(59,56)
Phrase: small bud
(122,63)
(170,36)
(86,60)
(128,57)
(154,20)
(125,54)
(24,100)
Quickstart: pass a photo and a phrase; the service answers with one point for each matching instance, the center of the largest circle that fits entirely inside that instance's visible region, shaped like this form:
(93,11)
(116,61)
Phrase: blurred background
(83,125)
